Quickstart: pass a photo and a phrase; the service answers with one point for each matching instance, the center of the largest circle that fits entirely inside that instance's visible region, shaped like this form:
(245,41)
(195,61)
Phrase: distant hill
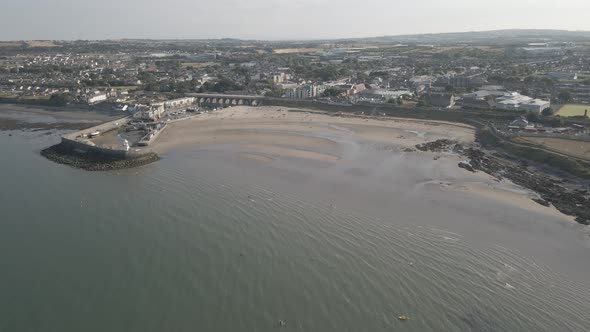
(488,37)
(495,37)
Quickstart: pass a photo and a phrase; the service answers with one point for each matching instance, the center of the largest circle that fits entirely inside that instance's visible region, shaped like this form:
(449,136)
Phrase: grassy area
(576,167)
(578,149)
(573,110)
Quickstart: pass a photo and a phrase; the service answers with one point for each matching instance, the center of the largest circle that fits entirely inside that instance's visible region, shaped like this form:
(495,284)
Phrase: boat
(94,134)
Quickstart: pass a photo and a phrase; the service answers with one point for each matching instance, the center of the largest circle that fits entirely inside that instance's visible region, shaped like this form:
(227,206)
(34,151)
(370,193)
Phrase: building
(382,94)
(479,103)
(440,100)
(516,101)
(498,97)
(519,123)
(466,82)
(307,91)
(281,78)
(149,113)
(580,93)
(95,99)
(180,102)
(535,105)
(484,98)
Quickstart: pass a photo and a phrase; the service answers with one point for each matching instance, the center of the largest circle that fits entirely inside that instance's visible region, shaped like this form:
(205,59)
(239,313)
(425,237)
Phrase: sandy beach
(264,134)
(304,130)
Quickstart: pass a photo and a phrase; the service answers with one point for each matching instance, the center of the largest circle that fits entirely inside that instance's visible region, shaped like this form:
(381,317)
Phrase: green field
(573,110)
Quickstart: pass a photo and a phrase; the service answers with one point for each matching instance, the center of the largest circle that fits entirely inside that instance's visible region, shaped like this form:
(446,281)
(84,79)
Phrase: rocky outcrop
(95,162)
(572,202)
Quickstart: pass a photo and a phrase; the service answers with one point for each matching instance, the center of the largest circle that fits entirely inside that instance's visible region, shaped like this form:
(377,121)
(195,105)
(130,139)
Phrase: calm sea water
(206,241)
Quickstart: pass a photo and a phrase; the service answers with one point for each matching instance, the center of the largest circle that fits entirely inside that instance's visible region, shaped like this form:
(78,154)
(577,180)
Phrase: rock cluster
(440,145)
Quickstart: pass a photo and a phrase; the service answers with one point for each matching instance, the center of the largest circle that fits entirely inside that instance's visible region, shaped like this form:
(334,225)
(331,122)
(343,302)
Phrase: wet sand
(268,134)
(15,117)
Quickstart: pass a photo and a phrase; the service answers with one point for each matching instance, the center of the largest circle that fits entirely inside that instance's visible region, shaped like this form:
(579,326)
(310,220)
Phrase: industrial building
(497,97)
(516,101)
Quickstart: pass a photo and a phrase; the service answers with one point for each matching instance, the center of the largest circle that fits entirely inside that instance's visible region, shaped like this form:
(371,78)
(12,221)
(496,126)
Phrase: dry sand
(308,131)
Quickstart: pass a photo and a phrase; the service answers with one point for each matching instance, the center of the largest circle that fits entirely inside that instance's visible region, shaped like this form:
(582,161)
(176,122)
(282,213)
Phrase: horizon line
(302,40)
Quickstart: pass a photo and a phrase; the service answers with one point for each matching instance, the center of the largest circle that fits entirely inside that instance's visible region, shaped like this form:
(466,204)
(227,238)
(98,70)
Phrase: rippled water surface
(206,241)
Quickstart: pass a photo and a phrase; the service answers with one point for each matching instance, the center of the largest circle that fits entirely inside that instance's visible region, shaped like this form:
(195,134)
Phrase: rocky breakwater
(92,161)
(570,201)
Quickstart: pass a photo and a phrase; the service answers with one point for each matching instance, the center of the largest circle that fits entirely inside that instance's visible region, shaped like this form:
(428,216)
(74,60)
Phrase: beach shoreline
(266,134)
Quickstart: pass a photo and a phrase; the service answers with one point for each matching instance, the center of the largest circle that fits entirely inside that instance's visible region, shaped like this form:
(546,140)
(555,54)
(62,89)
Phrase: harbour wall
(77,141)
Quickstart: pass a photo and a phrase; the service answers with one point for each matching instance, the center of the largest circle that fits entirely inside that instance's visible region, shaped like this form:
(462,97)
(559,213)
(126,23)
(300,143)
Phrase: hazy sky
(278,19)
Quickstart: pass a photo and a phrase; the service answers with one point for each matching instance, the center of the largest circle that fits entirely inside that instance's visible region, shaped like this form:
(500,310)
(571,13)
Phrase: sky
(278,19)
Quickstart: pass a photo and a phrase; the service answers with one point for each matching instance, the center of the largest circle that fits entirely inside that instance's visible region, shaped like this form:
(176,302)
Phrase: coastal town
(529,87)
(309,165)
(544,81)
(527,96)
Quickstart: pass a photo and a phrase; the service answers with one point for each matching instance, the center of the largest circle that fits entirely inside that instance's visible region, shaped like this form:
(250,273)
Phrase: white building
(305,92)
(536,105)
(516,101)
(180,102)
(152,112)
(280,78)
(96,99)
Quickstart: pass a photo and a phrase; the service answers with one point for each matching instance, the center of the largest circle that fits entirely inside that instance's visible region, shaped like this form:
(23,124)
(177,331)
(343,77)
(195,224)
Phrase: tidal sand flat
(267,134)
(30,117)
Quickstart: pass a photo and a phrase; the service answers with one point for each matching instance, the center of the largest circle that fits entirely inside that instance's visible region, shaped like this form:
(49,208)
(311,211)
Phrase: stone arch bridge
(212,99)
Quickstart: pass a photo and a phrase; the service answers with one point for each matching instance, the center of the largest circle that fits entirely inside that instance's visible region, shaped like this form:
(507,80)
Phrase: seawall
(78,151)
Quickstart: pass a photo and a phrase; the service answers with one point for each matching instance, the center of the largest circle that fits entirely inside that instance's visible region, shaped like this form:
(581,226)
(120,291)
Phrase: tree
(331,92)
(547,112)
(532,117)
(275,93)
(361,76)
(557,122)
(564,96)
(59,99)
